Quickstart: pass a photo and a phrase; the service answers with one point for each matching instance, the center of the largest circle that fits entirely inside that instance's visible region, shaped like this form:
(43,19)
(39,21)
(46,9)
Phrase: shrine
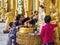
(9,9)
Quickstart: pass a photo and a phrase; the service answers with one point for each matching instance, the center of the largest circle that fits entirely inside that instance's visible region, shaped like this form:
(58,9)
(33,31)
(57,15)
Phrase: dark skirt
(50,43)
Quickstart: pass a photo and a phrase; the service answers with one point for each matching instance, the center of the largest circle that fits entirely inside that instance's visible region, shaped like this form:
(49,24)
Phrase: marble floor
(3,37)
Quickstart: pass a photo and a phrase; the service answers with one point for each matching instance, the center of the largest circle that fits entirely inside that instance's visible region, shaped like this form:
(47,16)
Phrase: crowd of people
(46,32)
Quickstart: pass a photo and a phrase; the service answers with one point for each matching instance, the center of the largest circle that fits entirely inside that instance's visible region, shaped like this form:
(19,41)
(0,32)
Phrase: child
(47,32)
(12,31)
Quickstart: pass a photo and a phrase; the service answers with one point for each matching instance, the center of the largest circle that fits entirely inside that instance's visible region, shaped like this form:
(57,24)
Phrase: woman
(47,31)
(20,20)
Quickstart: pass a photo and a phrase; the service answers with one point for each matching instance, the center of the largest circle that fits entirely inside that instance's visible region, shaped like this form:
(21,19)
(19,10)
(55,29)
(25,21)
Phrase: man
(34,20)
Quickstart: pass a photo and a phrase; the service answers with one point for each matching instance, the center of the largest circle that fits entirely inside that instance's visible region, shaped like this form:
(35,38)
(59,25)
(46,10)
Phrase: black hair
(18,17)
(47,19)
(35,11)
(42,6)
(53,1)
(10,24)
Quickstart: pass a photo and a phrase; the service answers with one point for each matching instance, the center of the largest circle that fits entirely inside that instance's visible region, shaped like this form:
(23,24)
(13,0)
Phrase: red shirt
(47,32)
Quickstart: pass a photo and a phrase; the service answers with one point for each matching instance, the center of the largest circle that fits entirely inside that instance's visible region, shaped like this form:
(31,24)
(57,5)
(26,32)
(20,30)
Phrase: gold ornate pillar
(28,7)
(23,11)
(2,3)
(8,5)
(58,5)
(25,7)
(47,7)
(37,4)
(16,11)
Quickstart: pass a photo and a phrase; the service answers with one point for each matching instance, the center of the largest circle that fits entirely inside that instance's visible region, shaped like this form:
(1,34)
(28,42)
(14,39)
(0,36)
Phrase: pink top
(47,32)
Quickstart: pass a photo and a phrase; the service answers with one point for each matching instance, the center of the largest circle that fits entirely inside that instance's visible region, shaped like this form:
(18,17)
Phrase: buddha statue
(54,15)
(10,18)
(3,12)
(55,19)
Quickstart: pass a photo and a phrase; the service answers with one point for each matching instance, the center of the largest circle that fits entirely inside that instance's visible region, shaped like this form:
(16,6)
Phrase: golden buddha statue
(10,18)
(3,11)
(55,19)
(54,15)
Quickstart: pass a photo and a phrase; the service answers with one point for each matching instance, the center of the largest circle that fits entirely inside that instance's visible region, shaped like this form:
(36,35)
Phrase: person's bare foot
(5,31)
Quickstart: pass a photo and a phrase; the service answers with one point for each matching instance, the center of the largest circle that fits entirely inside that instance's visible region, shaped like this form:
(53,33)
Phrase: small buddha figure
(3,11)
